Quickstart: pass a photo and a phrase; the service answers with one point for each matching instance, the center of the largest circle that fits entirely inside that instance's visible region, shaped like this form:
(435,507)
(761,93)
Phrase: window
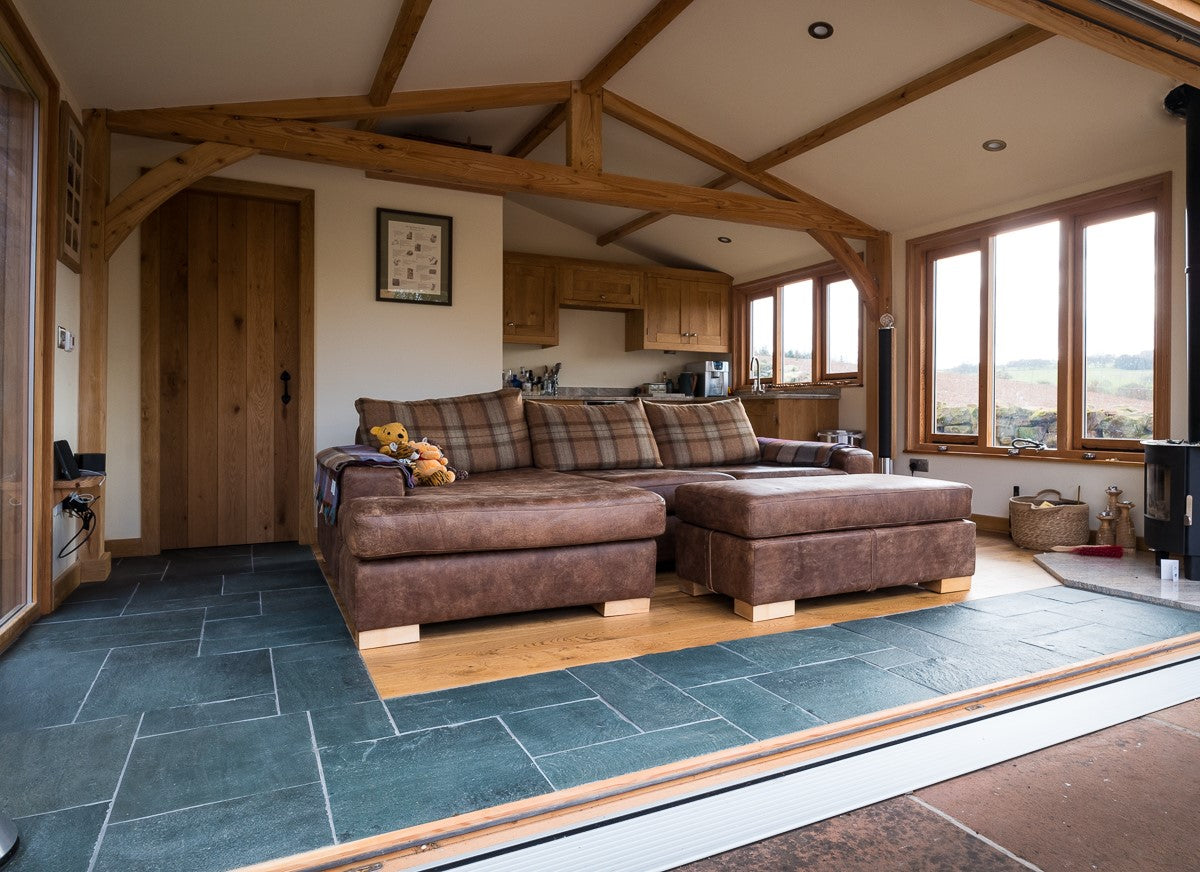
(1042,326)
(803,327)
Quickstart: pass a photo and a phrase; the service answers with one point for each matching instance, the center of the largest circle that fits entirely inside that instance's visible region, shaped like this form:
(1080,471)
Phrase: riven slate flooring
(207,709)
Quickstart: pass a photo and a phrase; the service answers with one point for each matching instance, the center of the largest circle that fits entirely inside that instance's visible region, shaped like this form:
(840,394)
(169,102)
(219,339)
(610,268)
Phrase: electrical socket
(918,464)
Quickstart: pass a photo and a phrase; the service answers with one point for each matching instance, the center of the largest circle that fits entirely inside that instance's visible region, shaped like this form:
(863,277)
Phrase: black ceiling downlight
(820,30)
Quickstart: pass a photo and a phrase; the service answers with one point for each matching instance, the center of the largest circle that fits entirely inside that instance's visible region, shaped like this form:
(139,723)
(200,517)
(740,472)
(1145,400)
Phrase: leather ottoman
(769,542)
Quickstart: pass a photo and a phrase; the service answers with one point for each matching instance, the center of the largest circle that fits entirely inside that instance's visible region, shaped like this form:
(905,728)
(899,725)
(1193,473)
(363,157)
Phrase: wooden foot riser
(765,611)
(389,636)
(613,608)
(949,585)
(693,589)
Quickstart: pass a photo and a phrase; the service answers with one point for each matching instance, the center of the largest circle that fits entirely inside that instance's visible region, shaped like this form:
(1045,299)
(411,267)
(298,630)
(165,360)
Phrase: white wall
(993,478)
(363,347)
(66,400)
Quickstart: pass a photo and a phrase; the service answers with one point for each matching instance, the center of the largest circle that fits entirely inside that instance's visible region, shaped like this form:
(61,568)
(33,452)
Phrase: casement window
(1047,327)
(803,327)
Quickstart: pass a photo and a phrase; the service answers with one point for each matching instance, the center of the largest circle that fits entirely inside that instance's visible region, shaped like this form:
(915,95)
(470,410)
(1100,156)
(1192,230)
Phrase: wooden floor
(457,653)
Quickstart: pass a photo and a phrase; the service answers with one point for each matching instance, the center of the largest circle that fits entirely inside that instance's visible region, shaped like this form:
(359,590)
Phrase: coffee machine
(712,377)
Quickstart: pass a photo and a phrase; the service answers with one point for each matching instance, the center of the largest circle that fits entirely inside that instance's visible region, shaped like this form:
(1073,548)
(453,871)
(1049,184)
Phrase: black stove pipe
(1184,102)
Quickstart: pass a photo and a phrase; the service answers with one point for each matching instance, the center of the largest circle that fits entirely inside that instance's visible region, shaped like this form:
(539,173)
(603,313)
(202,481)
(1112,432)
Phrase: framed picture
(70,161)
(414,257)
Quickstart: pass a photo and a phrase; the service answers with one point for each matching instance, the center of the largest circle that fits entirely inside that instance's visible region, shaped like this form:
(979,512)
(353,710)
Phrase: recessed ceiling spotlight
(994,145)
(820,30)
(725,240)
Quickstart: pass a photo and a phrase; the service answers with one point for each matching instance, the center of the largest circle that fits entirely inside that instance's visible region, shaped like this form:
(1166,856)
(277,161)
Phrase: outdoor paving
(211,705)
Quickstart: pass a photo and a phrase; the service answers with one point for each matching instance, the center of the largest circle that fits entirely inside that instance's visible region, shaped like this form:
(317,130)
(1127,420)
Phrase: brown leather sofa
(556,505)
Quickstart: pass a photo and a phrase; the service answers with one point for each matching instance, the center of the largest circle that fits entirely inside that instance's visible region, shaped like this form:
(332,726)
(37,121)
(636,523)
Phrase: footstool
(769,542)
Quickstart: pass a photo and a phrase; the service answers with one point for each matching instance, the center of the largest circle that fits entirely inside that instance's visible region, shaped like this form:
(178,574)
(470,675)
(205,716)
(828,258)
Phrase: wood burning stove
(1172,495)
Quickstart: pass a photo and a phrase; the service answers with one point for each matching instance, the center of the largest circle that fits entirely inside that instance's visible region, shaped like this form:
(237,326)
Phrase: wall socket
(918,464)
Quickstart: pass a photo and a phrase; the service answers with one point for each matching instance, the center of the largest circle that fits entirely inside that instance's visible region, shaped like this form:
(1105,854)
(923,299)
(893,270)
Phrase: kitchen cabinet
(791,417)
(588,286)
(681,313)
(530,306)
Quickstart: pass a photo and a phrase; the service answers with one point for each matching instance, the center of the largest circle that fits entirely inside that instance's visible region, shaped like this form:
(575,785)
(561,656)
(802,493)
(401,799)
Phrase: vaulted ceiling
(746,77)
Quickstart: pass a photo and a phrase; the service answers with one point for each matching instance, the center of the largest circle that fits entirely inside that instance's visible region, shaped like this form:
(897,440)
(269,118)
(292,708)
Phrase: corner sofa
(559,505)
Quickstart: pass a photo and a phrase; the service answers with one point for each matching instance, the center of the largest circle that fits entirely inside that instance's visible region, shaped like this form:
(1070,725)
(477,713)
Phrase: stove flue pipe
(1184,102)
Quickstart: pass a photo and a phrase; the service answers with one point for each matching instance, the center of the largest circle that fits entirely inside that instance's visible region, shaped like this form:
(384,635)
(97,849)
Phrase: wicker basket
(1063,522)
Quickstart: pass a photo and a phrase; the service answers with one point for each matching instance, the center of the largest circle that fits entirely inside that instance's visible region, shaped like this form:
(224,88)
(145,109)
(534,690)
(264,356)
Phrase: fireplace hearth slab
(1134,577)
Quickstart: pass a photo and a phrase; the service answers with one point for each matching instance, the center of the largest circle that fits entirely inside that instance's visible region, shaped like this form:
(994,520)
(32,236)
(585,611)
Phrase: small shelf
(79,483)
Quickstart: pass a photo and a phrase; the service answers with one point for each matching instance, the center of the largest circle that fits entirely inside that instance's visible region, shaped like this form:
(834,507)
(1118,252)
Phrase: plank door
(228,327)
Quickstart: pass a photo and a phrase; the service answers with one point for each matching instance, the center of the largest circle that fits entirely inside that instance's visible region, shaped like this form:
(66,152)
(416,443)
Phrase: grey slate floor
(207,709)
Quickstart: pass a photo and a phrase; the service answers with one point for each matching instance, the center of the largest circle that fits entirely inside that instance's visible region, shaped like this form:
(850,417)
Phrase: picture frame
(413,257)
(70,181)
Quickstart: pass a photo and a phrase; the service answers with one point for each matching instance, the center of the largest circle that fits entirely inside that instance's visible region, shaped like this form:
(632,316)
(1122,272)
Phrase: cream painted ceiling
(744,75)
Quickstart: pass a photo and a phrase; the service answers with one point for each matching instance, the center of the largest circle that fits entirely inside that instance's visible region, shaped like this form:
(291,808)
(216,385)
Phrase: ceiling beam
(663,13)
(584,119)
(1118,35)
(672,134)
(399,44)
(152,189)
(960,68)
(438,163)
(430,102)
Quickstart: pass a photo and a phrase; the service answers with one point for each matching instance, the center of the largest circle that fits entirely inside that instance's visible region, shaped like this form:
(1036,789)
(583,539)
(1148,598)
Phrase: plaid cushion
(702,434)
(567,437)
(790,452)
(477,432)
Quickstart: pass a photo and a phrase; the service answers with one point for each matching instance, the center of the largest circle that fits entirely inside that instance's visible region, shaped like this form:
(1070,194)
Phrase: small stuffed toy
(393,440)
(431,468)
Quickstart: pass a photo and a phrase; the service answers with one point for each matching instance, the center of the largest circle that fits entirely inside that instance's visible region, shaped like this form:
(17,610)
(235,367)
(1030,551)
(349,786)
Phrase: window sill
(1097,457)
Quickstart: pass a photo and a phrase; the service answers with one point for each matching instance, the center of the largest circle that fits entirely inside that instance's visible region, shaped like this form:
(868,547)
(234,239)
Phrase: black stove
(1172,496)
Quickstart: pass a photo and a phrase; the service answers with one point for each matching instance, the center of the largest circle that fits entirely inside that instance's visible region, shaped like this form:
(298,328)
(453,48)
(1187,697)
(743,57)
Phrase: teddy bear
(431,467)
(393,440)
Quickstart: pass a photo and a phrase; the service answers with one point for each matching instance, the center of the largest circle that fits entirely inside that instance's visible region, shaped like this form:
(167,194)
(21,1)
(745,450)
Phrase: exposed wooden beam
(947,74)
(127,210)
(851,261)
(584,118)
(401,103)
(663,13)
(390,176)
(439,163)
(400,43)
(712,154)
(1118,35)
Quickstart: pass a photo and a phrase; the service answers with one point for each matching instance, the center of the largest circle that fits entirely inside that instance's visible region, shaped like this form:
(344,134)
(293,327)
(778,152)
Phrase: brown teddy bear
(393,440)
(431,467)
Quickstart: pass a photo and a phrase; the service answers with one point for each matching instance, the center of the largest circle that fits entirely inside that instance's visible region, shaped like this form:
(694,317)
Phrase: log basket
(1038,527)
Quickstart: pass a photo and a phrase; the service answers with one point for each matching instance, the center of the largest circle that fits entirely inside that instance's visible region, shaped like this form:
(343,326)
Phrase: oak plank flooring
(458,653)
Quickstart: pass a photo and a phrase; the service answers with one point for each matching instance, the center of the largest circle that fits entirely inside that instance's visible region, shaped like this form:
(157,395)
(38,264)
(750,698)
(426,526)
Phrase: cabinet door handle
(603,298)
(511,324)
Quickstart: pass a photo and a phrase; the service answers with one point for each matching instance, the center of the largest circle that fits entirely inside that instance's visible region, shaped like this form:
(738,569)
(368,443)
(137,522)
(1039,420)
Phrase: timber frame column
(93,322)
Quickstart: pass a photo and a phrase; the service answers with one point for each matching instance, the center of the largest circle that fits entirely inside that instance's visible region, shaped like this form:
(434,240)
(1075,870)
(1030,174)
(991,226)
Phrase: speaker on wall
(886,335)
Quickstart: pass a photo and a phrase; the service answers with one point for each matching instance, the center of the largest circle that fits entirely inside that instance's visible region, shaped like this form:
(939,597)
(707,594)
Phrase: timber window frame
(822,275)
(1075,215)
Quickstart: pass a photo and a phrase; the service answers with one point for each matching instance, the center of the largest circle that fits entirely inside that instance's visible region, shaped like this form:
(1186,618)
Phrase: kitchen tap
(756,374)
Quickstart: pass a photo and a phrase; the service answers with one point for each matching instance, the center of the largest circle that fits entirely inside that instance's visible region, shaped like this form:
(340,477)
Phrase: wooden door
(664,313)
(706,315)
(223,272)
(530,311)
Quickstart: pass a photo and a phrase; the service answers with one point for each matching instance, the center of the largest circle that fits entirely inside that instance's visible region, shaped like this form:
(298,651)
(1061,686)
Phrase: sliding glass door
(18,189)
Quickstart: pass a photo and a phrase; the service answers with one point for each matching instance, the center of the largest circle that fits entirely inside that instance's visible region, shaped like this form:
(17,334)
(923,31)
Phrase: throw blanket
(789,453)
(331,462)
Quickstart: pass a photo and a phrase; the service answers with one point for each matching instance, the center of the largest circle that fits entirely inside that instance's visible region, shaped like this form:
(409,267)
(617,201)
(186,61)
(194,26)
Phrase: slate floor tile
(319,682)
(843,689)
(376,787)
(235,606)
(456,706)
(128,567)
(82,609)
(113,588)
(694,666)
(246,604)
(571,725)
(307,650)
(220,835)
(889,657)
(182,567)
(200,586)
(353,722)
(206,714)
(41,687)
(1065,594)
(164,676)
(908,638)
(304,576)
(217,763)
(102,633)
(187,555)
(797,648)
(1161,621)
(758,712)
(61,841)
(998,662)
(972,627)
(1009,604)
(640,695)
(305,599)
(267,631)
(1091,641)
(643,751)
(61,767)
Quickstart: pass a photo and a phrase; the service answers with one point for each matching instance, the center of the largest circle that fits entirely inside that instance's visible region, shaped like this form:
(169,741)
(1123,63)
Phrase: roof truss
(395,55)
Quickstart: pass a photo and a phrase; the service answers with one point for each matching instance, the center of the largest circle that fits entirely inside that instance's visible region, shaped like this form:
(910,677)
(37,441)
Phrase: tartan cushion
(702,434)
(567,437)
(477,432)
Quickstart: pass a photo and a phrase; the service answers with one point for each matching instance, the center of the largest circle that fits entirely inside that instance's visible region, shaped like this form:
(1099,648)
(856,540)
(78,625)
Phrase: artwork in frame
(70,168)
(413,258)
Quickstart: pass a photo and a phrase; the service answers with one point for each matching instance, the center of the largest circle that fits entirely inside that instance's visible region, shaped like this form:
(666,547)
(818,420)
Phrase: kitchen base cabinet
(791,417)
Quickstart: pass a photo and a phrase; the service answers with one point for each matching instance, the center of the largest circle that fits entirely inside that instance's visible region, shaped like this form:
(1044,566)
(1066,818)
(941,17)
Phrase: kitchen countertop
(617,395)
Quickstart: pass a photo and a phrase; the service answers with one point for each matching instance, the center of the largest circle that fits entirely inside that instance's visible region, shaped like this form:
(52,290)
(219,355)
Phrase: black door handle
(285,377)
